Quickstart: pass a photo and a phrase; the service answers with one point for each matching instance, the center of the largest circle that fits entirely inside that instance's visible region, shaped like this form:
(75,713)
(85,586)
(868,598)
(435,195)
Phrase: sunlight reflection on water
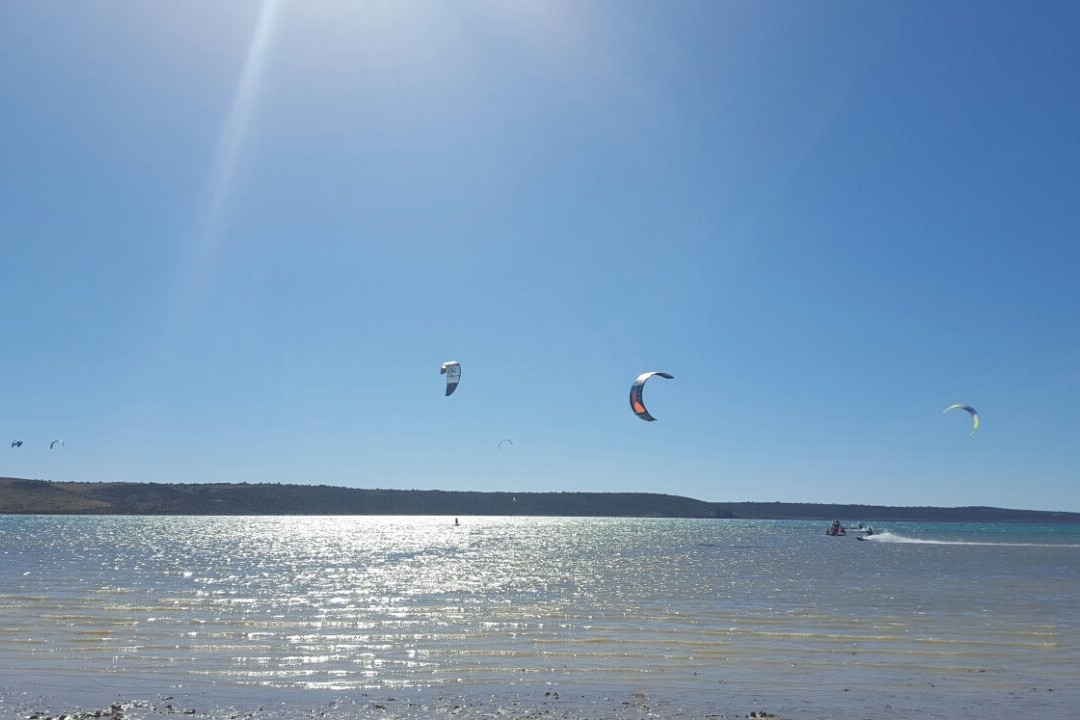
(374,602)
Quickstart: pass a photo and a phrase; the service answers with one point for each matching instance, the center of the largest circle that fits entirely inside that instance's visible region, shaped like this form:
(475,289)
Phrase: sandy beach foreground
(539,704)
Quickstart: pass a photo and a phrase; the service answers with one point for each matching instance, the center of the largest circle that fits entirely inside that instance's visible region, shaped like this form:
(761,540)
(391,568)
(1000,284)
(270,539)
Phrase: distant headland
(42,497)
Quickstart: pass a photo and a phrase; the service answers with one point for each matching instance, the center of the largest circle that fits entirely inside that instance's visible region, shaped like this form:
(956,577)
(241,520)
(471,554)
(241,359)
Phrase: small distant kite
(508,442)
(974,415)
(16,443)
(636,402)
(452,370)
(54,443)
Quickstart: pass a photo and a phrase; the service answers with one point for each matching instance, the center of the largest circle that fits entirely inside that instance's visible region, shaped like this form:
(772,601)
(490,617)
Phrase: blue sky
(238,239)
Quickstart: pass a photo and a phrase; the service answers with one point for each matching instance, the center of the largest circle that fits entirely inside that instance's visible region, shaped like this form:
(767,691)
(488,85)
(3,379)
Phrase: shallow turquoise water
(981,615)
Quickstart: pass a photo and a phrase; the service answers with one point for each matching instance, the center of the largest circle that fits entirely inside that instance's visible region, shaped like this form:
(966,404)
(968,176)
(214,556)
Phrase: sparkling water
(969,618)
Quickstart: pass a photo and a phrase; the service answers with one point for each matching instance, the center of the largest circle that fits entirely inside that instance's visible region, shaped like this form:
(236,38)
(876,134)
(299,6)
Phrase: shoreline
(539,703)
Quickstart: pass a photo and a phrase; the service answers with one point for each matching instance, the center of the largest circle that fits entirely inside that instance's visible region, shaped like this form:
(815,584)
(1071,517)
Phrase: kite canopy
(452,370)
(507,441)
(16,443)
(974,415)
(637,404)
(54,443)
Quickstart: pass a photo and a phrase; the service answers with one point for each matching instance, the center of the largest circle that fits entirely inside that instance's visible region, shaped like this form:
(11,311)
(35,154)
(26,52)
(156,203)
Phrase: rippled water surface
(123,604)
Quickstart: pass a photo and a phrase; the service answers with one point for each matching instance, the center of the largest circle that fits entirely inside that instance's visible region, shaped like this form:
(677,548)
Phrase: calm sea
(935,620)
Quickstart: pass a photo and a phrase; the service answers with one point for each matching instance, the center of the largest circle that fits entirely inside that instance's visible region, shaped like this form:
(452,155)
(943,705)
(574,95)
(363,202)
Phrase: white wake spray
(888,537)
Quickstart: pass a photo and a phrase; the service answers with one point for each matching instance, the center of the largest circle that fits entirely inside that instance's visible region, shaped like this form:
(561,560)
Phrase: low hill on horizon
(47,497)
(44,497)
(847,513)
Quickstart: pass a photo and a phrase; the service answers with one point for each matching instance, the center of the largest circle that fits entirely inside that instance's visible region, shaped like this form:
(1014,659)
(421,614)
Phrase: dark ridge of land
(846,513)
(42,497)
